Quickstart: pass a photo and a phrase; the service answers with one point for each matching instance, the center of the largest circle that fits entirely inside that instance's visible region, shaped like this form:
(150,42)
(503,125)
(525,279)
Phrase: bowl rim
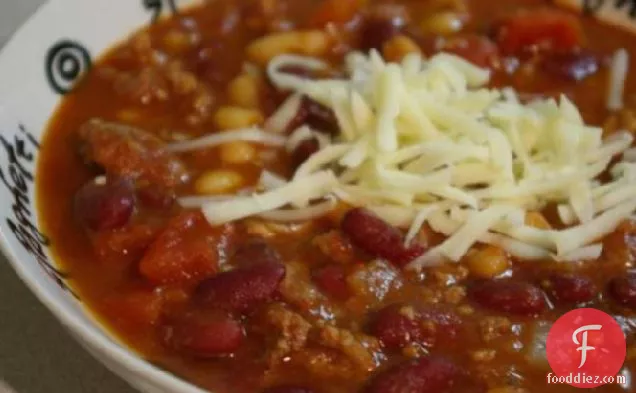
(89,331)
(113,350)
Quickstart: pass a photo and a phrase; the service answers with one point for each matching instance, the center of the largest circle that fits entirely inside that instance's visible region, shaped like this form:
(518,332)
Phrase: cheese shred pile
(426,141)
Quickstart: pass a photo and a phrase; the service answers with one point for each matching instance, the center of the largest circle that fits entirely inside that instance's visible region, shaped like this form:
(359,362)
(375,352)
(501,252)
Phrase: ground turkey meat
(129,152)
(358,348)
(291,331)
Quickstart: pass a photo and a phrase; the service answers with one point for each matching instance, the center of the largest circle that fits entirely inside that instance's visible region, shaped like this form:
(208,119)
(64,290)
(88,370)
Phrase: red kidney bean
(373,235)
(332,279)
(382,24)
(243,288)
(304,150)
(425,375)
(623,290)
(107,206)
(319,116)
(574,66)
(571,288)
(508,296)
(288,389)
(205,335)
(155,197)
(396,328)
(316,115)
(255,252)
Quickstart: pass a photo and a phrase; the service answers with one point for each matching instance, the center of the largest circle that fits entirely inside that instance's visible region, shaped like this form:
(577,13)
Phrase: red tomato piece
(130,241)
(543,29)
(476,49)
(333,280)
(205,334)
(336,11)
(135,309)
(186,251)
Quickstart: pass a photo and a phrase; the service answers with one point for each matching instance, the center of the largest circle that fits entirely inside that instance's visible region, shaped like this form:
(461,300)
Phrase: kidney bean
(373,235)
(316,115)
(106,206)
(304,150)
(623,290)
(508,296)
(398,325)
(319,116)
(205,335)
(382,24)
(571,288)
(574,66)
(255,252)
(243,288)
(425,375)
(288,389)
(332,279)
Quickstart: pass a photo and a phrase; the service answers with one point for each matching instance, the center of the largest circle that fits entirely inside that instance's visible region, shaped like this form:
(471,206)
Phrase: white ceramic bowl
(37,67)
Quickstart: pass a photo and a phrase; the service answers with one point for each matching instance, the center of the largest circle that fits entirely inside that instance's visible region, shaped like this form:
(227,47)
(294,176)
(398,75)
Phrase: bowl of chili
(323,196)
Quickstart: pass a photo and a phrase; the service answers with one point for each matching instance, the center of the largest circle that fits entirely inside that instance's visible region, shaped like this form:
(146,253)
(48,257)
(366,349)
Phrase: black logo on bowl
(593,6)
(66,62)
(157,6)
(18,179)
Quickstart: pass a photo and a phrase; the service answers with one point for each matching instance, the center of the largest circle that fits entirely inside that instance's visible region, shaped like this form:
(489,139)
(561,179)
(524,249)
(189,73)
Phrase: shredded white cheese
(246,134)
(314,186)
(618,76)
(304,133)
(417,223)
(427,142)
(301,214)
(270,180)
(284,115)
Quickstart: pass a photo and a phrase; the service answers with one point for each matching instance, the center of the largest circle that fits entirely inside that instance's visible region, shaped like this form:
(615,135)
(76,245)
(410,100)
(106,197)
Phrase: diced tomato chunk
(135,308)
(186,251)
(545,29)
(205,334)
(130,241)
(335,11)
(476,49)
(333,280)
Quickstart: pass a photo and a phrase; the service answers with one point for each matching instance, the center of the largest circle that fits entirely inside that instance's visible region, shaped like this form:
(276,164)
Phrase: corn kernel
(488,262)
(399,46)
(220,181)
(238,152)
(444,23)
(244,91)
(234,117)
(310,43)
(176,41)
